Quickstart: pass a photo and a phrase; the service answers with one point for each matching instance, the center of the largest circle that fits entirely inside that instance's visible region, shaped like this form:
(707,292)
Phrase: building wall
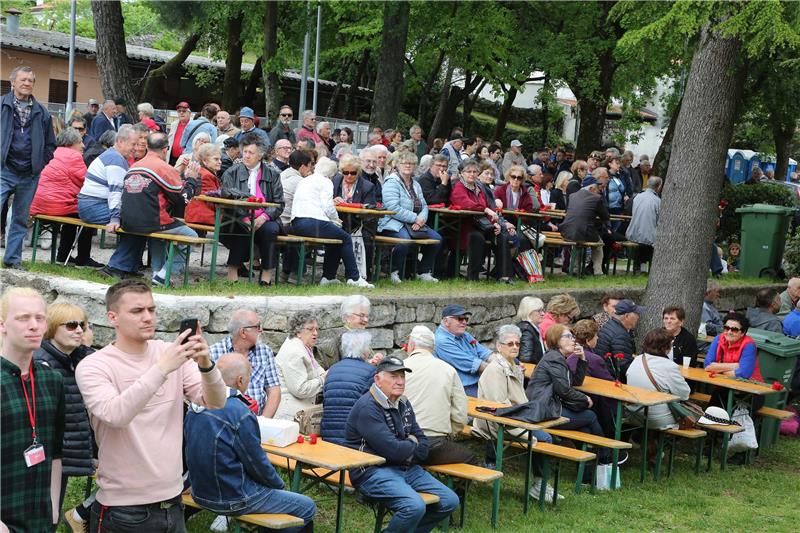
(49,67)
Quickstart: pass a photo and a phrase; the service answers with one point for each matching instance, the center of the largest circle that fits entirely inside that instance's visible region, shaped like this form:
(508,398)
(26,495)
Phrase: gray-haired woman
(300,374)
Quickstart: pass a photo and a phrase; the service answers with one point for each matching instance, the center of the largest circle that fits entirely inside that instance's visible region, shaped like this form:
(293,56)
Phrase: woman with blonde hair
(561,309)
(529,316)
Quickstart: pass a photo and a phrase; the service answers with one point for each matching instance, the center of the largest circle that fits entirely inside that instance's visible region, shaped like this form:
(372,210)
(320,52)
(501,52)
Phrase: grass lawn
(761,497)
(513,126)
(200,286)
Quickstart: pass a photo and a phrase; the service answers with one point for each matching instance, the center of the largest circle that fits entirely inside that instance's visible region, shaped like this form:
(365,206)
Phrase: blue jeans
(93,210)
(322,229)
(128,255)
(587,422)
(284,502)
(23,187)
(158,252)
(400,251)
(471,390)
(397,488)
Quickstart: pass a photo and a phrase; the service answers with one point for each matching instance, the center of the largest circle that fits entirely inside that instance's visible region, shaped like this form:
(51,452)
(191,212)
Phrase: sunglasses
(78,129)
(732,328)
(290,115)
(349,173)
(460,318)
(72,325)
(517,177)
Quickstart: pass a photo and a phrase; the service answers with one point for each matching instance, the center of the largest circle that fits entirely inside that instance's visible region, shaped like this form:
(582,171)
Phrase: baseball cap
(588,180)
(391,364)
(454,310)
(516,142)
(246,112)
(92,101)
(627,306)
(422,333)
(183,105)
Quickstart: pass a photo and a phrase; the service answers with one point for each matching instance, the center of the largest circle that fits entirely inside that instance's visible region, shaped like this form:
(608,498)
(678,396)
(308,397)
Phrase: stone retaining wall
(391,319)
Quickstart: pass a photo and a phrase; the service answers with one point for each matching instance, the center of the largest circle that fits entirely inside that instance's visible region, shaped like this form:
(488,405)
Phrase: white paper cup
(686,362)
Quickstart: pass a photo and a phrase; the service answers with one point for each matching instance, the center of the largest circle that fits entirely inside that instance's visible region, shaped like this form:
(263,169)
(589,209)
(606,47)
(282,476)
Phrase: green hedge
(739,195)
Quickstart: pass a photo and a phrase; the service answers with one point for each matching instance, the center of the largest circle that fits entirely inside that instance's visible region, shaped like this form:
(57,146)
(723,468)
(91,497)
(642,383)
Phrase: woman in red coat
(57,195)
(467,193)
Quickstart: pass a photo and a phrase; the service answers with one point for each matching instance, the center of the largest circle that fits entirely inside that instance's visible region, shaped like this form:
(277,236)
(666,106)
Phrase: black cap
(391,364)
(454,310)
(230,142)
(627,306)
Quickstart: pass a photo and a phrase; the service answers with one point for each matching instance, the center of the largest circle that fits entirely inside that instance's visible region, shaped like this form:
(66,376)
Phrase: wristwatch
(207,370)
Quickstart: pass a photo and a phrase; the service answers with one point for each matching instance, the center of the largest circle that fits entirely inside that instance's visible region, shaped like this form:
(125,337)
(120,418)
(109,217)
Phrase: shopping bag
(603,477)
(744,440)
(360,251)
(532,265)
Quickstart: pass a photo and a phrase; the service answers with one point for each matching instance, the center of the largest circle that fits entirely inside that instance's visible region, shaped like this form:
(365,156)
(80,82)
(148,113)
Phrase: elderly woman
(512,195)
(403,194)
(346,382)
(468,194)
(486,176)
(350,187)
(66,343)
(684,344)
(664,375)
(355,315)
(57,194)
(314,215)
(502,382)
(585,332)
(199,140)
(255,178)
(561,309)
(529,316)
(558,194)
(301,376)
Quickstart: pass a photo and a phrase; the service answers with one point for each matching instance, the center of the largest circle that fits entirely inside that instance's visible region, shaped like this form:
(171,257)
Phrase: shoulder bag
(421,233)
(310,420)
(686,413)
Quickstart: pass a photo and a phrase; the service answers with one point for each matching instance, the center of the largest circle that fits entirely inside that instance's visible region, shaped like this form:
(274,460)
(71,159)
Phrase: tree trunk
(427,92)
(389,82)
(661,160)
(782,133)
(272,84)
(335,96)
(233,63)
(169,69)
(469,105)
(687,219)
(112,54)
(249,95)
(438,120)
(545,111)
(350,107)
(505,110)
(590,133)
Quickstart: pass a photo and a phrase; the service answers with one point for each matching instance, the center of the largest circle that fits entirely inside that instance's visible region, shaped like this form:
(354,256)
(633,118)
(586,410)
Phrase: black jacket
(551,385)
(78,444)
(530,349)
(235,179)
(581,222)
(364,193)
(91,153)
(433,190)
(613,338)
(375,180)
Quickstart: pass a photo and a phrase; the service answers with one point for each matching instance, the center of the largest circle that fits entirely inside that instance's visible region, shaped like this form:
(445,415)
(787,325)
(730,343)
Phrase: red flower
(404,347)
(608,355)
(711,373)
(252,199)
(617,383)
(455,207)
(473,342)
(776,385)
(723,204)
(619,356)
(379,205)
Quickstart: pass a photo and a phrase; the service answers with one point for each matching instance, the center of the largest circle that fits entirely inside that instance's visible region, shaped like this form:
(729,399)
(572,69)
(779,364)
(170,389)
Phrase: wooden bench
(467,473)
(700,397)
(553,239)
(174,240)
(381,241)
(777,414)
(271,521)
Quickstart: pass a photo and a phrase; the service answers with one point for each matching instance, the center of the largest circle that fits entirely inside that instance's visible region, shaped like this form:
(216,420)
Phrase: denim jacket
(228,469)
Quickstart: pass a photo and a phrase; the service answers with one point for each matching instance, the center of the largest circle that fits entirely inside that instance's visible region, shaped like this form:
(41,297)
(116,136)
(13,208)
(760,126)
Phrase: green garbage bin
(764,229)
(777,355)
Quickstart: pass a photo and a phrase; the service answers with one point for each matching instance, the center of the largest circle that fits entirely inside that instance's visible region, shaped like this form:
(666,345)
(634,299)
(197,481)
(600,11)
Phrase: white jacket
(313,198)
(301,378)
(668,376)
(436,394)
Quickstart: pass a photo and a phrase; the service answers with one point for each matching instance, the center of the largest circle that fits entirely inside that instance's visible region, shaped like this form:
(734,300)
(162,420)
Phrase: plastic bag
(744,440)
(603,477)
(360,252)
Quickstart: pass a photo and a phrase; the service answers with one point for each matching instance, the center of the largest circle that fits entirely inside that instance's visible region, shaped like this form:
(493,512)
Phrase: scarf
(410,189)
(467,186)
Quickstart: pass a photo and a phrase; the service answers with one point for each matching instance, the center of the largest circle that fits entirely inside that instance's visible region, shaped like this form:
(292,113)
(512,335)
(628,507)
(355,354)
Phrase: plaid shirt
(262,376)
(26,491)
(23,111)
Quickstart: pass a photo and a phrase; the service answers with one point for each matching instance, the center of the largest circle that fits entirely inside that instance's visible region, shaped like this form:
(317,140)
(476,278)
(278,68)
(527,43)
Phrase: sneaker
(74,524)
(89,263)
(112,272)
(623,456)
(360,283)
(427,277)
(394,277)
(324,281)
(220,524)
(535,491)
(158,281)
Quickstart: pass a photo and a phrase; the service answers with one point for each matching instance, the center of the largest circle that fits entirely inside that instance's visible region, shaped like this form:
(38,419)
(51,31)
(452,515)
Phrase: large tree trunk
(112,54)
(545,112)
(350,106)
(233,63)
(505,110)
(272,84)
(335,96)
(686,224)
(169,69)
(590,133)
(782,133)
(469,105)
(389,82)
(438,120)
(661,160)
(253,83)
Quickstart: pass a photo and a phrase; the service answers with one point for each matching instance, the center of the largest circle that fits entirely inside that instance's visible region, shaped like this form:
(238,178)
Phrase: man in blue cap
(460,349)
(616,335)
(248,125)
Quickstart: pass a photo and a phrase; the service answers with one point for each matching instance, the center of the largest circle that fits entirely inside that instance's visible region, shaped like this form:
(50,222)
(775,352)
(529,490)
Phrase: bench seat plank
(771,412)
(273,521)
(588,438)
(466,471)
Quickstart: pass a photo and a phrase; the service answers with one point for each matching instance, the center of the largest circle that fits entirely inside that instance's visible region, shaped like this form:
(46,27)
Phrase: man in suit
(104,120)
(586,217)
(121,117)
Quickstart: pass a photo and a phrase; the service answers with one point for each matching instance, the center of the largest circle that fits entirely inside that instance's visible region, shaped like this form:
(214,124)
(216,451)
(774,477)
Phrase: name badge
(34,455)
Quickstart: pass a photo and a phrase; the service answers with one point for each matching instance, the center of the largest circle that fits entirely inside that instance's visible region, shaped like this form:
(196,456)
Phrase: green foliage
(204,77)
(404,123)
(739,195)
(791,254)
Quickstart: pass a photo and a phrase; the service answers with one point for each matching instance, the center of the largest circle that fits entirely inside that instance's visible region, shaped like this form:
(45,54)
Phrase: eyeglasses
(256,326)
(284,147)
(290,115)
(464,319)
(79,128)
(312,118)
(537,310)
(311,329)
(510,343)
(516,177)
(72,325)
(732,328)
(349,173)
(362,316)
(569,336)
(183,110)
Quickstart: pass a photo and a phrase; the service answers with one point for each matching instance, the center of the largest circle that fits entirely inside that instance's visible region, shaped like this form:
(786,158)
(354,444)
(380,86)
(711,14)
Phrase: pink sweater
(137,417)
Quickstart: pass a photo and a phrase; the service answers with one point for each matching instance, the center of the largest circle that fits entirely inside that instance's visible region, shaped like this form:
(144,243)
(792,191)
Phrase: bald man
(227,467)
(790,296)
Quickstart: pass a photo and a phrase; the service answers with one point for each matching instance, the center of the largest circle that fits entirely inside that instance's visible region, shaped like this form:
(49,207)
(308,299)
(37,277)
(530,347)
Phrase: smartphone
(188,323)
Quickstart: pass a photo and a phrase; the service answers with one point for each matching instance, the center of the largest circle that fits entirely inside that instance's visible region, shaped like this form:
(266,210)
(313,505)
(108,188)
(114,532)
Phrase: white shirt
(313,198)
(252,180)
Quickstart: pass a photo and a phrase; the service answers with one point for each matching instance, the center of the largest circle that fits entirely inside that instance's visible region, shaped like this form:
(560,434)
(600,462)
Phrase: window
(5,87)
(58,91)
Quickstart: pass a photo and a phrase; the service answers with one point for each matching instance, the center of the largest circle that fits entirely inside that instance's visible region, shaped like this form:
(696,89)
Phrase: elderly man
(177,130)
(145,111)
(762,316)
(616,335)
(228,470)
(324,132)
(248,124)
(283,127)
(244,329)
(382,422)
(369,169)
(347,381)
(283,149)
(452,150)
(92,108)
(640,174)
(202,124)
(224,127)
(435,182)
(460,349)
(441,404)
(513,156)
(642,228)
(420,146)
(790,296)
(711,318)
(381,154)
(586,217)
(308,129)
(104,120)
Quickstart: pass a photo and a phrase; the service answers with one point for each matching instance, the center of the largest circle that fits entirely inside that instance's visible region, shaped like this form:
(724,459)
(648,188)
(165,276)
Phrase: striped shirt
(104,179)
(263,374)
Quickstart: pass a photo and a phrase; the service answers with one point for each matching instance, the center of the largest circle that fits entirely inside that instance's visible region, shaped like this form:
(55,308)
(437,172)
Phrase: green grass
(202,287)
(761,497)
(493,120)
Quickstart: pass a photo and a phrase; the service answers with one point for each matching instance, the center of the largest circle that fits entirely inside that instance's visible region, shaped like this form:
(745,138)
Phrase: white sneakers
(395,277)
(324,281)
(536,490)
(427,277)
(361,283)
(220,524)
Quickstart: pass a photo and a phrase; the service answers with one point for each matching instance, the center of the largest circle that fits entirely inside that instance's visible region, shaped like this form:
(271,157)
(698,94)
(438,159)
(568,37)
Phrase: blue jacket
(346,382)
(228,469)
(258,131)
(396,198)
(196,127)
(43,139)
(791,324)
(462,353)
(374,426)
(100,125)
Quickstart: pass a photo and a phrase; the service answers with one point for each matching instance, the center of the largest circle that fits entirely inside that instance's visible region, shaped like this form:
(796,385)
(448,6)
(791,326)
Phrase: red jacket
(525,202)
(468,201)
(59,184)
(199,212)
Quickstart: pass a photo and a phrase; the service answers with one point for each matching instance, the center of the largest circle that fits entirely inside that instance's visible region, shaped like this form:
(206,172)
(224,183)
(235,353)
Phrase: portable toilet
(792,168)
(767,163)
(737,167)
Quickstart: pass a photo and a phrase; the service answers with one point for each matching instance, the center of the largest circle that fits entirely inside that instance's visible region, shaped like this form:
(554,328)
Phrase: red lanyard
(31,413)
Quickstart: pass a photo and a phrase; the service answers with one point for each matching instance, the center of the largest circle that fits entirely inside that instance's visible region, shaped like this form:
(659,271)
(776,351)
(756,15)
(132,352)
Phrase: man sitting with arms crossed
(382,423)
(228,470)
(134,390)
(245,337)
(460,349)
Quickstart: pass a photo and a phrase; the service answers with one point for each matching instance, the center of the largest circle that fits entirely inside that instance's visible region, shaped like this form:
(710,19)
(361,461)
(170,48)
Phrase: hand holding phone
(188,323)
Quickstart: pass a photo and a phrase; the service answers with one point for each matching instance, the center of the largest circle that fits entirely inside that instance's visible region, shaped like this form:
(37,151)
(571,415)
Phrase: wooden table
(622,394)
(325,455)
(502,422)
(228,205)
(458,214)
(363,211)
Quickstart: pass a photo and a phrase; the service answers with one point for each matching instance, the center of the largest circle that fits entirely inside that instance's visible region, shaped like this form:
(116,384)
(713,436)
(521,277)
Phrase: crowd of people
(106,169)
(71,411)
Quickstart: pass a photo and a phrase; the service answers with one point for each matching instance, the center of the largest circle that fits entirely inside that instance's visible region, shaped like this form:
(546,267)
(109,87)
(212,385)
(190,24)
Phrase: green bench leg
(54,230)
(463,511)
(170,257)
(35,242)
(543,486)
(556,480)
(301,264)
(499,467)
(699,454)
(659,455)
(102,239)
(528,467)
(671,460)
(313,264)
(581,467)
(643,468)
(380,513)
(711,450)
(186,266)
(377,256)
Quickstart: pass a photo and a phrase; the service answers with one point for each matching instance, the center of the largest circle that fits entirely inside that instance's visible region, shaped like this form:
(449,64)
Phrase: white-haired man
(308,129)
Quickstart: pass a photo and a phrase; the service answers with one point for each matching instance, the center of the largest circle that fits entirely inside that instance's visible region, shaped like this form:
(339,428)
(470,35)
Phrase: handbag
(310,420)
(421,233)
(685,412)
(483,224)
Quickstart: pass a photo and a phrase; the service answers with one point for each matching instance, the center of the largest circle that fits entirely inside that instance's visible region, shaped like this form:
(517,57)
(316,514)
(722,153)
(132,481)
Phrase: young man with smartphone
(134,390)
